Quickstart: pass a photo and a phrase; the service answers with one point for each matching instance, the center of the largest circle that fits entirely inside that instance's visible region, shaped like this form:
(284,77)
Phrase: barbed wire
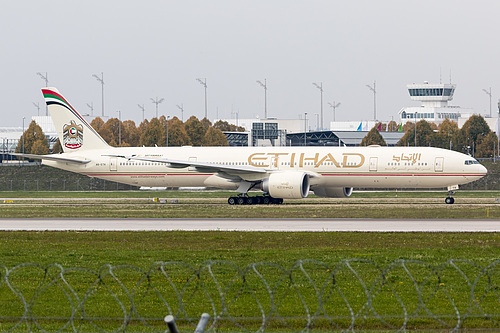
(352,295)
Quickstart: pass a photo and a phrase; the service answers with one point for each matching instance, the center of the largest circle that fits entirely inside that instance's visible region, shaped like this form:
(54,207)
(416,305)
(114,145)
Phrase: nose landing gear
(451,190)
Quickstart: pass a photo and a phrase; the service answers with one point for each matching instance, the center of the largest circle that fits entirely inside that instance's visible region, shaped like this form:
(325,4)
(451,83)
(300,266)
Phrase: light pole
(415,129)
(157,101)
(305,128)
(204,83)
(181,107)
(374,89)
(101,80)
(489,94)
(264,85)
(142,108)
(317,121)
(334,107)
(320,87)
(119,128)
(236,117)
(168,117)
(91,107)
(37,105)
(23,140)
(46,79)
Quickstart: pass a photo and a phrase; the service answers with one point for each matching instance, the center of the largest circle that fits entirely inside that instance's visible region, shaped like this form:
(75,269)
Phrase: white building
(434,106)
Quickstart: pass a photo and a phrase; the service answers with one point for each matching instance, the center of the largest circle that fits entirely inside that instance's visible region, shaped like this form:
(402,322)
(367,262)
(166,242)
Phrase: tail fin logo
(72,135)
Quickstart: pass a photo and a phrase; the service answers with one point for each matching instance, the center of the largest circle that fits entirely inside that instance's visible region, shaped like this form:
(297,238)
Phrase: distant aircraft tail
(75,133)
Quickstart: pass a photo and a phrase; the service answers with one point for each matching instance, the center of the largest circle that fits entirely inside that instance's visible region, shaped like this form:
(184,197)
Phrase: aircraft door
(438,164)
(373,163)
(112,163)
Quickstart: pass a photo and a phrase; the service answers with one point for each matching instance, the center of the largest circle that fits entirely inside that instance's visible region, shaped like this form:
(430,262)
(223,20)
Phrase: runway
(286,225)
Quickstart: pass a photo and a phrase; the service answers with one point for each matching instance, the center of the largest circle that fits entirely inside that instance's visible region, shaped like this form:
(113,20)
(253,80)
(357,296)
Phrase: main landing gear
(257,200)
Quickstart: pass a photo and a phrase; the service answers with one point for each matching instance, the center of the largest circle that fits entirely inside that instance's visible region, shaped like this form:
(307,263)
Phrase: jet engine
(333,192)
(287,185)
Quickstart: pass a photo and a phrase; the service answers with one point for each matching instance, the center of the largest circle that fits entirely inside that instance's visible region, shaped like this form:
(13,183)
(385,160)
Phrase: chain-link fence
(352,295)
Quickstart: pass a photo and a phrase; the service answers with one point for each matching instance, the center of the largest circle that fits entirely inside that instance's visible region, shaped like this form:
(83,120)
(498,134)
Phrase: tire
(449,200)
(231,201)
(249,201)
(240,201)
(266,200)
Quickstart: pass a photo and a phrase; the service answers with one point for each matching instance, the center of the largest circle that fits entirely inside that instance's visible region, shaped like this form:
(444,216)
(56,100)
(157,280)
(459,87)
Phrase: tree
(40,148)
(96,124)
(206,124)
(486,145)
(177,135)
(57,148)
(195,131)
(33,134)
(152,134)
(425,134)
(373,138)
(474,129)
(214,137)
(447,133)
(392,126)
(130,133)
(113,126)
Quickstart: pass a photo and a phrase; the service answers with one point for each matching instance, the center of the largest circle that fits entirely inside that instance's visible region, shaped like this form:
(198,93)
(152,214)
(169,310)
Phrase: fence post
(202,324)
(170,320)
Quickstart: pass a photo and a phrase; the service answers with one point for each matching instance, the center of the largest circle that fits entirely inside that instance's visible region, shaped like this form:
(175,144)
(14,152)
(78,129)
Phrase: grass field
(202,266)
(213,204)
(92,250)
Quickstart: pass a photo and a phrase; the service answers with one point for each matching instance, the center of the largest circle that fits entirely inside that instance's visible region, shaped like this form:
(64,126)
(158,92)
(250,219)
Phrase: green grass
(214,205)
(213,254)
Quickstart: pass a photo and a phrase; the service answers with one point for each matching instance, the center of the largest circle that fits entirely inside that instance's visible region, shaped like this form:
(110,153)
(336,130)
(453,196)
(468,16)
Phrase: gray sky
(159,48)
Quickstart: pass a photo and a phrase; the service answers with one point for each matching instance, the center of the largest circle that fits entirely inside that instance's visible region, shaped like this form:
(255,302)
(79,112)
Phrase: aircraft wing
(201,166)
(52,157)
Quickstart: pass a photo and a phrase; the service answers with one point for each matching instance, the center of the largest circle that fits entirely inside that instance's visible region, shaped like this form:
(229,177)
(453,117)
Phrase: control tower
(434,100)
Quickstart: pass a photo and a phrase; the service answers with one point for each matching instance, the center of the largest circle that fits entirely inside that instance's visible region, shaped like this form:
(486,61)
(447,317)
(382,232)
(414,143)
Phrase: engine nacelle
(287,185)
(333,192)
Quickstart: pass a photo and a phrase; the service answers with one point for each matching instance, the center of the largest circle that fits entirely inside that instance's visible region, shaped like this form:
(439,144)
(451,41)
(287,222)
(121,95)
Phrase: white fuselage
(368,167)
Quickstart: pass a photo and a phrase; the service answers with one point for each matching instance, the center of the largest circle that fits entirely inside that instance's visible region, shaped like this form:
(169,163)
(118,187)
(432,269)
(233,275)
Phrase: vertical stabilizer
(74,132)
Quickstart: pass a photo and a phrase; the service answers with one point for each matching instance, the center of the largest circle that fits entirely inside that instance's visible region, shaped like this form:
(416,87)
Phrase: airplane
(279,172)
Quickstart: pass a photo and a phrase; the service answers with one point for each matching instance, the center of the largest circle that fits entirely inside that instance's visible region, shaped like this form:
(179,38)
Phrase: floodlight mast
(37,105)
(320,87)
(334,107)
(489,94)
(101,80)
(204,84)
(264,85)
(157,101)
(142,108)
(46,79)
(91,107)
(374,89)
(181,107)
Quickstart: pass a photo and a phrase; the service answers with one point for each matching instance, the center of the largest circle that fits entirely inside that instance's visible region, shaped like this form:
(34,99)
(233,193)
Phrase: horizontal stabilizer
(52,157)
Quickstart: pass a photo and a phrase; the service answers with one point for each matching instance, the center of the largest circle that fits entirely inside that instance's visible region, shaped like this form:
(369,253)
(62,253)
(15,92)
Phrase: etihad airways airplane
(280,172)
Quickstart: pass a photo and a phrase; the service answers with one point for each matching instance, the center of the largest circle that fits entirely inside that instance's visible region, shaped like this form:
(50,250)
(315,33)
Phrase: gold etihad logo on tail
(266,160)
(72,135)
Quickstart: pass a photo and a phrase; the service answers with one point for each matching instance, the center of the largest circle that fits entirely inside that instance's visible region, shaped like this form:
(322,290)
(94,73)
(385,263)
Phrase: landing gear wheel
(449,200)
(240,201)
(276,201)
(266,200)
(231,201)
(249,201)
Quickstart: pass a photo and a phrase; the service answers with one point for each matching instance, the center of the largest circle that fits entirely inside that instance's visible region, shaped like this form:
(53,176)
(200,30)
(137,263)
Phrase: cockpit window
(469,162)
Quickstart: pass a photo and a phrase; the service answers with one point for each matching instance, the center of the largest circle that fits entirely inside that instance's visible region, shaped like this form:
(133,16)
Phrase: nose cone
(482,170)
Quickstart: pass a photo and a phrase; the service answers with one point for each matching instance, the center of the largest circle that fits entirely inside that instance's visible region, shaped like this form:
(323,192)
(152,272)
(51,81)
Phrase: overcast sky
(158,48)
